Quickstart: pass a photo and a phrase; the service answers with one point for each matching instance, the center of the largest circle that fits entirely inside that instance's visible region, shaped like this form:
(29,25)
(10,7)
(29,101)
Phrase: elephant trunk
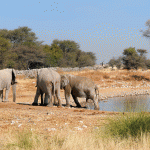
(14,92)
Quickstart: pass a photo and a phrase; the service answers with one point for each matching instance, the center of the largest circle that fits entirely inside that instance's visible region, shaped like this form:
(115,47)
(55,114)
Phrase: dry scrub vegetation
(23,126)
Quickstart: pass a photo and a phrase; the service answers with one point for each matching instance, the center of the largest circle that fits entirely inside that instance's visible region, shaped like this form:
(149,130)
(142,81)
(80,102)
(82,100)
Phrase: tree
(26,54)
(147,62)
(119,62)
(67,46)
(24,47)
(146,33)
(112,62)
(116,62)
(73,56)
(86,59)
(130,58)
(4,48)
(19,36)
(142,52)
(142,58)
(53,54)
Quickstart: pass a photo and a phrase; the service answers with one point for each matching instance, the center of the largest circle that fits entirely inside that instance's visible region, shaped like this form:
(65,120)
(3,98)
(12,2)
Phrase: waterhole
(124,104)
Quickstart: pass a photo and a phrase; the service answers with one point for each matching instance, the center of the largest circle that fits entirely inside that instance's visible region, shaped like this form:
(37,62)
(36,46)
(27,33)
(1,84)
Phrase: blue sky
(103,27)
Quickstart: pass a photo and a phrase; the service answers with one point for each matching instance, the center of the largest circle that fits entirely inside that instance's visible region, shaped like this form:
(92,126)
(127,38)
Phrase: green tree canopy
(24,54)
(4,49)
(73,56)
(19,36)
(20,46)
(53,54)
(130,59)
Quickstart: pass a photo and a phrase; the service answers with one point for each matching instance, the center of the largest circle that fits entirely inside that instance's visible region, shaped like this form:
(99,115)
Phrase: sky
(105,28)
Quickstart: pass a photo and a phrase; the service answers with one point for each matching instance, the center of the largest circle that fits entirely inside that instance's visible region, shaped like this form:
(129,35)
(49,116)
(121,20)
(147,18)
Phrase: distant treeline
(20,49)
(131,59)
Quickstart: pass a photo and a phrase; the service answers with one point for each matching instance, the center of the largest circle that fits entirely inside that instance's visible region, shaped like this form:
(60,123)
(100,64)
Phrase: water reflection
(125,104)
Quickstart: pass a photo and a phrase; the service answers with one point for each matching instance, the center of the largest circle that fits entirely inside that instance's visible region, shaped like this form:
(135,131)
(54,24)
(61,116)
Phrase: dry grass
(30,140)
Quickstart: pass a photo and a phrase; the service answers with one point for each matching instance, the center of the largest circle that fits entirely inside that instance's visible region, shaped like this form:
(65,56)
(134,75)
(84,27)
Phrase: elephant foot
(79,106)
(35,104)
(55,104)
(6,101)
(68,105)
(96,108)
(50,105)
(41,104)
(44,104)
(59,106)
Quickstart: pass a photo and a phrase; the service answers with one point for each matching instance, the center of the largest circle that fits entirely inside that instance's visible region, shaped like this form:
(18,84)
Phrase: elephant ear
(13,77)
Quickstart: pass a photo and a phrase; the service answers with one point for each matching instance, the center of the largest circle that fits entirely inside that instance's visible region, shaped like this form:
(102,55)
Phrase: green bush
(129,125)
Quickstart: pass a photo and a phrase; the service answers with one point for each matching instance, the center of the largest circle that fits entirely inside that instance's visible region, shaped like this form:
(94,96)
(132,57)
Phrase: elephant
(7,78)
(48,82)
(79,87)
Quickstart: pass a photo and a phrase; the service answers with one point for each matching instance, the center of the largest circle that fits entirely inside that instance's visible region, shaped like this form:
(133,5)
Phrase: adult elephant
(7,78)
(48,82)
(79,87)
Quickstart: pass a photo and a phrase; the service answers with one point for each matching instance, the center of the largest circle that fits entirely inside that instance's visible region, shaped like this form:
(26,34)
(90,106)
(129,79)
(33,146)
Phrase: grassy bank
(128,131)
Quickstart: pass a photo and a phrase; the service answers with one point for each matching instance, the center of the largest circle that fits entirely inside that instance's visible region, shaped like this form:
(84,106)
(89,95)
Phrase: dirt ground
(22,115)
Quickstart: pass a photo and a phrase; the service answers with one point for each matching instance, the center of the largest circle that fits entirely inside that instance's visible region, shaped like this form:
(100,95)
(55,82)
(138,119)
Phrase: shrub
(129,125)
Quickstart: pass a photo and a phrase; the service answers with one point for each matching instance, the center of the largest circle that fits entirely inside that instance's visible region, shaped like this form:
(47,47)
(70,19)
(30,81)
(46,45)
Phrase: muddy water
(125,104)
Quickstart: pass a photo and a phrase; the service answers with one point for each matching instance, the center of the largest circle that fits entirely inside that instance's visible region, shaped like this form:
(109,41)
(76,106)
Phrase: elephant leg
(67,95)
(55,101)
(41,98)
(76,100)
(46,100)
(87,99)
(96,105)
(50,103)
(35,103)
(1,95)
(58,97)
(6,95)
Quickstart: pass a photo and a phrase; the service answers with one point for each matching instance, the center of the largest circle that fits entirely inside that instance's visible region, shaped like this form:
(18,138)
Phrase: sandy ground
(22,115)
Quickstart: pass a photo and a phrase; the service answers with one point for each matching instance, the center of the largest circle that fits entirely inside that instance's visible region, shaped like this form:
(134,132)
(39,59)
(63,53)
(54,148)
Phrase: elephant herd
(49,82)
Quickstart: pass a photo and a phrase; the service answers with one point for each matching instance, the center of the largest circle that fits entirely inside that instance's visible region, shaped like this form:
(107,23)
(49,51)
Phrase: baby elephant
(79,87)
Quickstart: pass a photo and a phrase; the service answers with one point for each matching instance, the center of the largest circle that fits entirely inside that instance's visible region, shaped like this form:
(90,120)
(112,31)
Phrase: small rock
(78,128)
(32,129)
(19,125)
(81,121)
(12,122)
(51,129)
(84,126)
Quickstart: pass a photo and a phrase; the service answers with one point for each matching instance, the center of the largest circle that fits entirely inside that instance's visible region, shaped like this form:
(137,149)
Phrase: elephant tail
(53,89)
(37,79)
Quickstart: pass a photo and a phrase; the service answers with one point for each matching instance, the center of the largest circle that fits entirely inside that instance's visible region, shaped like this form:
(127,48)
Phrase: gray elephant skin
(7,78)
(79,87)
(48,82)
